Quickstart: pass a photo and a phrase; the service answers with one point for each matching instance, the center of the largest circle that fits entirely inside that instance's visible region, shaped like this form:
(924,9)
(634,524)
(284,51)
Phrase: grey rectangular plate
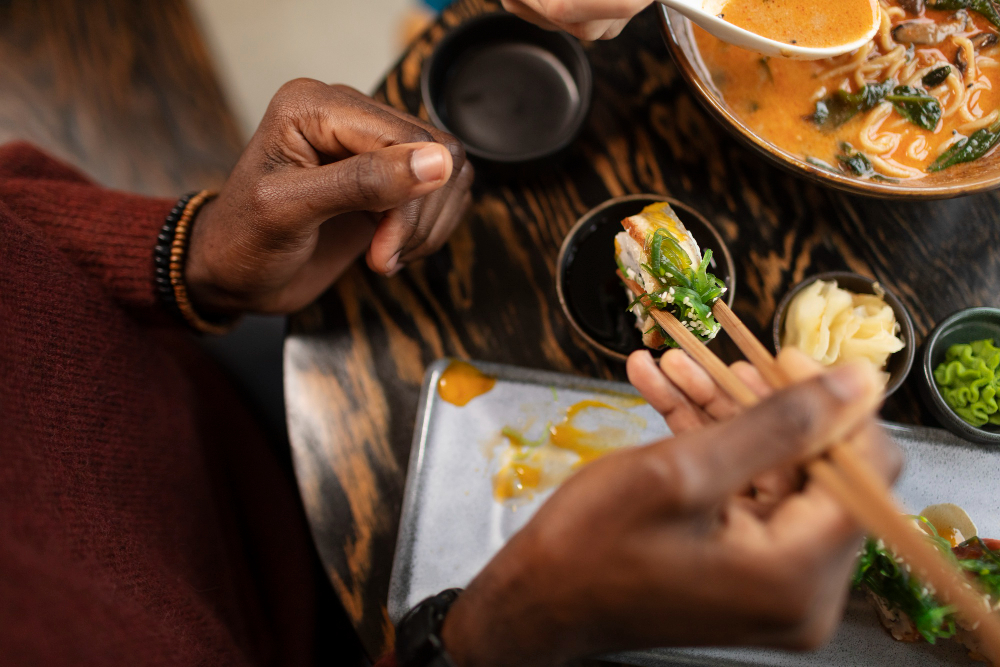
(451,526)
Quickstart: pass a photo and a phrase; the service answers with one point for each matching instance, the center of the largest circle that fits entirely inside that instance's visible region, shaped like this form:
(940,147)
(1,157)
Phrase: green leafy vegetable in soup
(913,104)
(857,162)
(916,106)
(968,381)
(936,76)
(967,150)
(833,111)
(986,8)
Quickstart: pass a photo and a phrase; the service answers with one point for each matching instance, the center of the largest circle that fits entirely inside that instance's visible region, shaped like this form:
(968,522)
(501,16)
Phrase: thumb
(376,181)
(788,428)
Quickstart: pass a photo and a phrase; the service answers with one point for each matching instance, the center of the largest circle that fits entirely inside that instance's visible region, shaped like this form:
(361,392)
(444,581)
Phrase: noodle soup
(921,97)
(803,22)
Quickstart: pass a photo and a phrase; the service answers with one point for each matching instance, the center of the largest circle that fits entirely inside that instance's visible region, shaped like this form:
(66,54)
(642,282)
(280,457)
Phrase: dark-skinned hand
(660,545)
(329,175)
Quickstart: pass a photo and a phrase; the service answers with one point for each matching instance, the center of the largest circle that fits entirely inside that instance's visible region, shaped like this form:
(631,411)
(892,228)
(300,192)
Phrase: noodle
(890,167)
(970,111)
(965,44)
(917,149)
(885,31)
(895,67)
(979,123)
(957,88)
(955,138)
(885,142)
(859,57)
(910,74)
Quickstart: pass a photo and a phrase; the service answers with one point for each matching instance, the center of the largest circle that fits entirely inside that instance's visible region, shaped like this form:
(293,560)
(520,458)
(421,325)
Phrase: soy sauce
(510,98)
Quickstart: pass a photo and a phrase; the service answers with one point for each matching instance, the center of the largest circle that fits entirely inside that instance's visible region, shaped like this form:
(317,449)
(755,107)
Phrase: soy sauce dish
(511,91)
(591,294)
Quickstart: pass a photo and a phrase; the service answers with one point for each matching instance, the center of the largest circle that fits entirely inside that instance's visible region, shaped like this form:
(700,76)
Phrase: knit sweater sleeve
(107,234)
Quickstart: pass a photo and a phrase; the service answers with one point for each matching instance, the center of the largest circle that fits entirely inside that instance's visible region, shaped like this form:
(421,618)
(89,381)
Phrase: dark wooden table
(354,361)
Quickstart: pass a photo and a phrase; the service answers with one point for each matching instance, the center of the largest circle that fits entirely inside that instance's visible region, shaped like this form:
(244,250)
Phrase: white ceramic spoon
(705,13)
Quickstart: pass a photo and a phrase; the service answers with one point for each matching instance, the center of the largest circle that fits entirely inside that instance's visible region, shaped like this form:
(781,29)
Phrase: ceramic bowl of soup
(914,114)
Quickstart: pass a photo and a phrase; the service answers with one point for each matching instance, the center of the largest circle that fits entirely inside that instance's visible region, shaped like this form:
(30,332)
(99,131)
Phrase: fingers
(787,428)
(436,225)
(678,410)
(308,116)
(568,12)
(609,16)
(378,181)
(798,365)
(451,143)
(455,209)
(695,382)
(519,9)
(338,121)
(815,517)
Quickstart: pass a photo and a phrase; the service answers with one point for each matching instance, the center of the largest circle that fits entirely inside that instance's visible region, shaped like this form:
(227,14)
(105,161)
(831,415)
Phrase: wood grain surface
(354,361)
(124,90)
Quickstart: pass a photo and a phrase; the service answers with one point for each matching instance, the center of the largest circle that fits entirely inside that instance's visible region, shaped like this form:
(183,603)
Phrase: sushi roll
(657,251)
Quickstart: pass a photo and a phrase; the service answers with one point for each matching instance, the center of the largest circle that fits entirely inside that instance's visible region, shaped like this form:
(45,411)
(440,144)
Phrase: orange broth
(814,23)
(775,97)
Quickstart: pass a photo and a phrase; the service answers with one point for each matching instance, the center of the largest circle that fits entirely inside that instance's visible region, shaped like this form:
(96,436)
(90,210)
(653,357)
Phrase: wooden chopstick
(854,483)
(845,476)
(719,371)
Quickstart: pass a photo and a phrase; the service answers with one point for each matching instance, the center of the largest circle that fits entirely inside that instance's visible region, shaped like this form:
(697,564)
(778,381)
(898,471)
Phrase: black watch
(418,634)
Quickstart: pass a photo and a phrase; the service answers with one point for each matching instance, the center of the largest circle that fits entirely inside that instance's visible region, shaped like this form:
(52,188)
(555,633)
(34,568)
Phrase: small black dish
(590,292)
(964,326)
(511,91)
(901,362)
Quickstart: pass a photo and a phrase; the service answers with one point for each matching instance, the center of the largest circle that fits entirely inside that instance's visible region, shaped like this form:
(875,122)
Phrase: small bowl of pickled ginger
(841,317)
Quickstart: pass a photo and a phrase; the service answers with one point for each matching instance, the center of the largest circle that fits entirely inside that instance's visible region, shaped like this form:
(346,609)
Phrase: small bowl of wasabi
(961,380)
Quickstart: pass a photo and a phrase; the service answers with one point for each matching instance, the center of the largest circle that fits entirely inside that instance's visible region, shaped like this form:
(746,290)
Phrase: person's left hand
(329,175)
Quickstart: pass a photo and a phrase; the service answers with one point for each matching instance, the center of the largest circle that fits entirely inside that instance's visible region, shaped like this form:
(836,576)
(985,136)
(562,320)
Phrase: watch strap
(418,634)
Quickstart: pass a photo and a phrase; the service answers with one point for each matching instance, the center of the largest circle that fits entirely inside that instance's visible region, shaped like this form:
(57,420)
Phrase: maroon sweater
(143,520)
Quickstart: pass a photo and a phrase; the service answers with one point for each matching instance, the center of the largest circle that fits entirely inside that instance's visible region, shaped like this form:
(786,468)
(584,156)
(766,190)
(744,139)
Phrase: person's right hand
(655,546)
(585,19)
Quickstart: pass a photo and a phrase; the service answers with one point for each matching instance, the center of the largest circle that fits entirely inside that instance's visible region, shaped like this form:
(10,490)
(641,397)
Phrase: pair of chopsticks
(846,476)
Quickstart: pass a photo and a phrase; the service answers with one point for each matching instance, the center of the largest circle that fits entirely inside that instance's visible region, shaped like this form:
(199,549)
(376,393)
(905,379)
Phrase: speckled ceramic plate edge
(877,648)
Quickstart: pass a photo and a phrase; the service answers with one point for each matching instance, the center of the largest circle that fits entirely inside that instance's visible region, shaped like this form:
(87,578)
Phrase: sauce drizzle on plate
(461,382)
(590,429)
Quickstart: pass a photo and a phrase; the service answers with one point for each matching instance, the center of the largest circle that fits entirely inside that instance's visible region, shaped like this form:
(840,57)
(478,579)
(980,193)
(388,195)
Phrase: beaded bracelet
(170,255)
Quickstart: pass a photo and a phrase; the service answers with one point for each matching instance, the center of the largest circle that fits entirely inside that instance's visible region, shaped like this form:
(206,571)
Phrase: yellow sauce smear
(461,382)
(815,23)
(531,466)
